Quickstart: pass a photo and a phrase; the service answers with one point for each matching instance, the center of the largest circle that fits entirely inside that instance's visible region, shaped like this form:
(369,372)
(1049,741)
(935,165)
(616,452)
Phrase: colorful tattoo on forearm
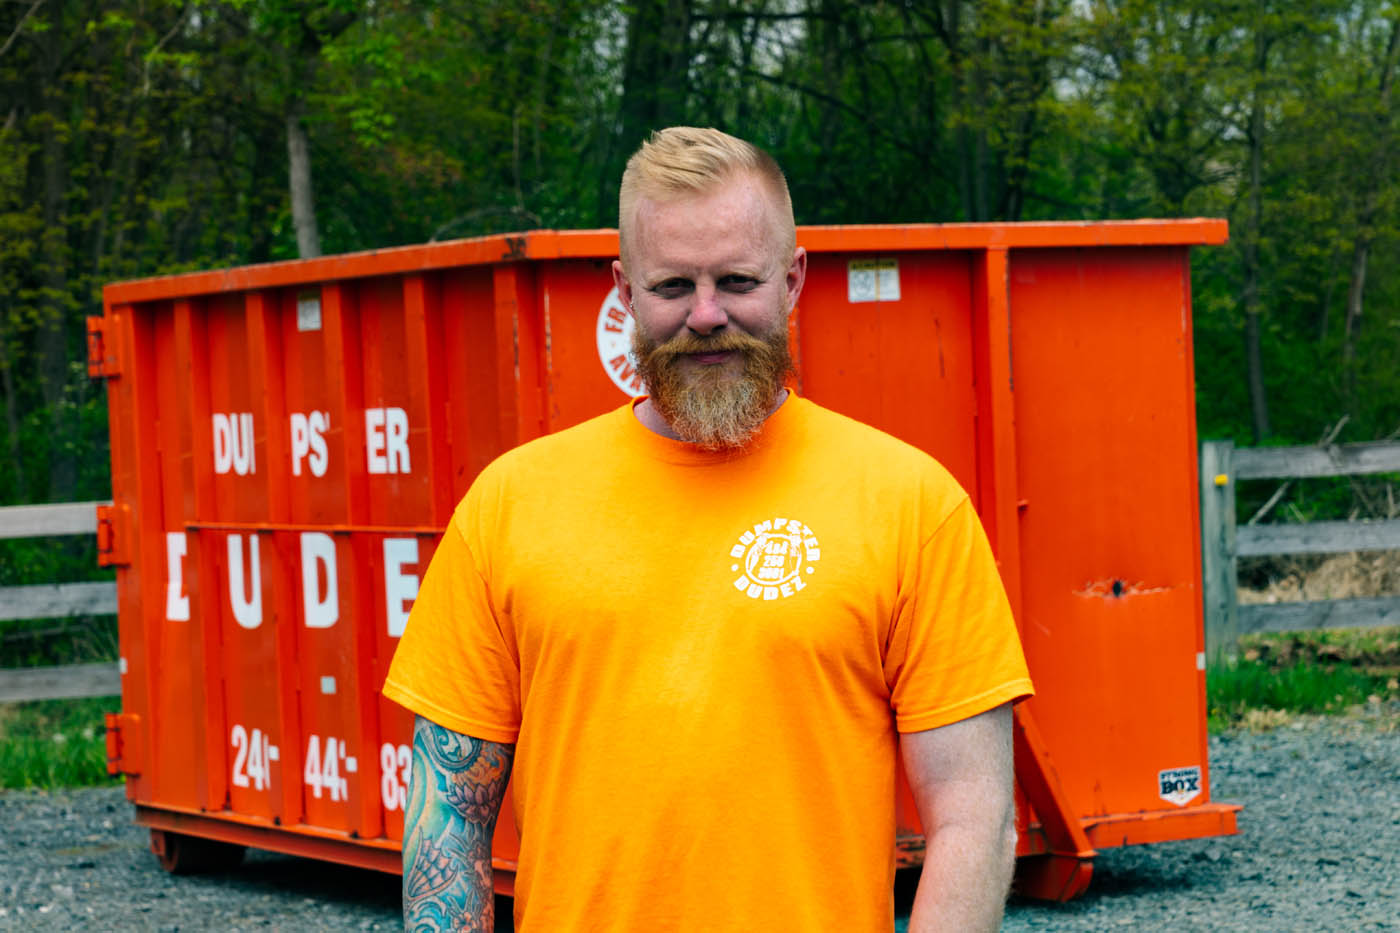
(453,798)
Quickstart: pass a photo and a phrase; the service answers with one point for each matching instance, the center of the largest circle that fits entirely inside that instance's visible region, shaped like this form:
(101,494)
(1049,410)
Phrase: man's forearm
(962,778)
(966,876)
(454,795)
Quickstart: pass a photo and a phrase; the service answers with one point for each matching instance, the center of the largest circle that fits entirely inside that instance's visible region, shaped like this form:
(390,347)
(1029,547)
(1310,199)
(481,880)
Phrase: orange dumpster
(289,440)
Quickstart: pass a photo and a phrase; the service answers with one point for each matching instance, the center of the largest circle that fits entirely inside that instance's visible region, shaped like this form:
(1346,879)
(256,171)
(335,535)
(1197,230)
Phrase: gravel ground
(1319,849)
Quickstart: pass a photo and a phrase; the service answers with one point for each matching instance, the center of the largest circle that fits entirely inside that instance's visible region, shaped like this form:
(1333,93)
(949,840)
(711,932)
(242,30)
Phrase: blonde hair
(685,160)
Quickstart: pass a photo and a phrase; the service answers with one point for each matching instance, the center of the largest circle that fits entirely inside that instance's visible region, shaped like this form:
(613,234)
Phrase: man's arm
(962,777)
(454,794)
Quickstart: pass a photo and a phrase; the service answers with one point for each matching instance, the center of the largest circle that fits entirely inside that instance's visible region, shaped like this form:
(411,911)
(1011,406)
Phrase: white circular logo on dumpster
(773,559)
(615,345)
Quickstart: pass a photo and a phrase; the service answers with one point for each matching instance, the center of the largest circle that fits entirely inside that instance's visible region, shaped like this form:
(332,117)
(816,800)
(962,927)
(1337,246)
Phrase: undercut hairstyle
(682,161)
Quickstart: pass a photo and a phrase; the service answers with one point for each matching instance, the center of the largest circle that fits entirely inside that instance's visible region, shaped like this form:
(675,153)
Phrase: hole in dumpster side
(1118,588)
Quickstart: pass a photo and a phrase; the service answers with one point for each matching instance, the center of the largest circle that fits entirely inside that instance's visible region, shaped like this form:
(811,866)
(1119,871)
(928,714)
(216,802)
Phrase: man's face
(711,287)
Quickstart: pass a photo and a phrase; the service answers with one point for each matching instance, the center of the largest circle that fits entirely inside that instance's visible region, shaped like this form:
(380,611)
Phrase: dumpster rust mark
(515,248)
(1118,588)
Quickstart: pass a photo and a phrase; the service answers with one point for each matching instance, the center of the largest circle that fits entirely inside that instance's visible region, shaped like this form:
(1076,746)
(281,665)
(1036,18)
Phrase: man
(700,626)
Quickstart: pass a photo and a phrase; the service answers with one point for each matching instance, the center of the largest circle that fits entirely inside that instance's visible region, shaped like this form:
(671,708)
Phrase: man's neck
(651,418)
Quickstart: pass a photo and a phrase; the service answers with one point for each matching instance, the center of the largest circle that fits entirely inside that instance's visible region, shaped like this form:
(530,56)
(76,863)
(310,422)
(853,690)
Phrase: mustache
(686,343)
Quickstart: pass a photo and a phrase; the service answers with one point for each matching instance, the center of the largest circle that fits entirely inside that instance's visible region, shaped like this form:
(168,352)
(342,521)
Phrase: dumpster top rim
(602,244)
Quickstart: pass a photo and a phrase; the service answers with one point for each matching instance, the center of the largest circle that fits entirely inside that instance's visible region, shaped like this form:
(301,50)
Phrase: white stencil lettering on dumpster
(247,602)
(386,440)
(177,601)
(233,443)
(1179,785)
(400,589)
(395,763)
(317,561)
(309,442)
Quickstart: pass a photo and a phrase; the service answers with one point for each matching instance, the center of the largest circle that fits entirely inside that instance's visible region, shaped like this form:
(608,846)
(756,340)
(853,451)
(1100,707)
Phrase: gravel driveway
(1319,849)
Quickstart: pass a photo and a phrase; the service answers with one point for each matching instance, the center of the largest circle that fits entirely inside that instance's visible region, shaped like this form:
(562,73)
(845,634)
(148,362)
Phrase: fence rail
(56,601)
(1222,543)
(40,521)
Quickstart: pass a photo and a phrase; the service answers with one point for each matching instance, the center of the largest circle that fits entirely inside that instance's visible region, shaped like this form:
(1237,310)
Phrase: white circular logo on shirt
(615,345)
(774,558)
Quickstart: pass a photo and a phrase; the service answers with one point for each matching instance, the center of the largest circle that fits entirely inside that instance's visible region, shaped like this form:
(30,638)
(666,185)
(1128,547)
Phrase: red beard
(710,406)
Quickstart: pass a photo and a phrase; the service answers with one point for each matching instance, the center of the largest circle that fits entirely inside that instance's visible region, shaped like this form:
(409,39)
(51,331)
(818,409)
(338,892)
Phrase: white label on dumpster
(308,311)
(1179,785)
(872,280)
(615,346)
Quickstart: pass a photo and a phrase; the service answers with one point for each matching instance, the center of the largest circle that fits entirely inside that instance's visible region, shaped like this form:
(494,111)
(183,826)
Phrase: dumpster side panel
(170,656)
(902,364)
(475,403)
(1110,583)
(589,334)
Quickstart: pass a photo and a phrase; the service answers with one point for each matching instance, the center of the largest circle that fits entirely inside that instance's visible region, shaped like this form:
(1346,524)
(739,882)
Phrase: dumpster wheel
(180,854)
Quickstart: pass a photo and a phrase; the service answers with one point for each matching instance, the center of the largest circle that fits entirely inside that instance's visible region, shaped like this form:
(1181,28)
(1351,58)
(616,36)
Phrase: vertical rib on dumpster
(996,424)
(1065,872)
(131,402)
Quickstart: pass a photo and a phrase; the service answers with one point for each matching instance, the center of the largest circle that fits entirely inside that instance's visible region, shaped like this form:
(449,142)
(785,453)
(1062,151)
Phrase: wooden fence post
(1218,550)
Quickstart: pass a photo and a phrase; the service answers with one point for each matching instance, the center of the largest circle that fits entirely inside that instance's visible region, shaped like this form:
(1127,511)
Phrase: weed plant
(54,743)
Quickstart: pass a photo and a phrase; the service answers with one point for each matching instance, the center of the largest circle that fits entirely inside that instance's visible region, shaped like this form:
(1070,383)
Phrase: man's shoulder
(858,442)
(555,450)
(554,461)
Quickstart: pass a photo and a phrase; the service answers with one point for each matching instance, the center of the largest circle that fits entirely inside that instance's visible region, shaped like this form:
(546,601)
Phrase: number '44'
(322,772)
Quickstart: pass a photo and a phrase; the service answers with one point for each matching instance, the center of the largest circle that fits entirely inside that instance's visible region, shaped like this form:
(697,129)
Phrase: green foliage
(50,744)
(141,139)
(1305,672)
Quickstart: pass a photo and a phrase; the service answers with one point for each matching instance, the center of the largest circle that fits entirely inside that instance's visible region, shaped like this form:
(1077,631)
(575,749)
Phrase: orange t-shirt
(703,659)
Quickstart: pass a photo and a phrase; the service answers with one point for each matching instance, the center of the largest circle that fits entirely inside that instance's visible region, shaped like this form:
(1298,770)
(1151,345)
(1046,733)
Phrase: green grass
(1305,672)
(54,743)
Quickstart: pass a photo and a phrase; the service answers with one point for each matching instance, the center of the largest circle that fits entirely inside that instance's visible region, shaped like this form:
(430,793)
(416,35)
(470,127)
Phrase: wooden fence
(56,601)
(1222,542)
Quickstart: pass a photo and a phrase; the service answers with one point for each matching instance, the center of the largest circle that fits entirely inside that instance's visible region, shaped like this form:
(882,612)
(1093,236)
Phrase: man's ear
(796,277)
(624,285)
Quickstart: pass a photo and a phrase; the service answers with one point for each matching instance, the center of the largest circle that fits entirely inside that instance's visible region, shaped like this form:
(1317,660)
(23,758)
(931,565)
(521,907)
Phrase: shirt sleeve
(954,650)
(456,664)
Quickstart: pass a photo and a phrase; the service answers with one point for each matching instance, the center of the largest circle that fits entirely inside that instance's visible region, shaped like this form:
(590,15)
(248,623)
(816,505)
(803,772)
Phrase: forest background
(141,137)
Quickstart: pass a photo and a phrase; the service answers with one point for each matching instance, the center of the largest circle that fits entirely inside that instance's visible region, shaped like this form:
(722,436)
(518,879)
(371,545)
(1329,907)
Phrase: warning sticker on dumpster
(615,345)
(1179,785)
(308,311)
(872,280)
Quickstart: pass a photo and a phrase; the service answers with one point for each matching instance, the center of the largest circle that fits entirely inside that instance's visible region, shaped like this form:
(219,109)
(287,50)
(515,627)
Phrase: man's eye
(738,283)
(672,288)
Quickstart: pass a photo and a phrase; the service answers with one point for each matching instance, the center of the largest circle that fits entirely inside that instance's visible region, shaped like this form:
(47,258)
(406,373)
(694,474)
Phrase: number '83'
(395,763)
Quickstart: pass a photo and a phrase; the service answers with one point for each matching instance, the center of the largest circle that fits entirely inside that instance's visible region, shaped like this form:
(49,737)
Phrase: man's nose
(706,315)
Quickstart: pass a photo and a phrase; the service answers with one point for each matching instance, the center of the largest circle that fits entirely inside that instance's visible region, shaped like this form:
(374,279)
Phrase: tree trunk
(656,65)
(7,385)
(1361,250)
(655,84)
(1249,295)
(52,329)
(1356,290)
(299,177)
